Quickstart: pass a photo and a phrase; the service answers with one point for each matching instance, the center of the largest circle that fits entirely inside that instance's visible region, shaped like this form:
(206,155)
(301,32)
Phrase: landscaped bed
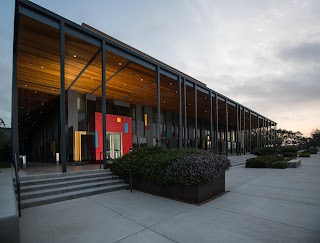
(268,161)
(190,175)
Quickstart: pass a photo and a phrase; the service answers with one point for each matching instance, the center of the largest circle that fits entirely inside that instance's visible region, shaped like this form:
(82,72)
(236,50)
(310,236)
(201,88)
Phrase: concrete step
(64,189)
(71,195)
(71,177)
(67,174)
(59,184)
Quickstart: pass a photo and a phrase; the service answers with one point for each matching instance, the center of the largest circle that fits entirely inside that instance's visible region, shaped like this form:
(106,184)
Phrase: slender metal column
(63,148)
(217,124)
(240,130)
(158,107)
(180,113)
(226,126)
(196,116)
(185,114)
(104,103)
(237,134)
(14,107)
(258,133)
(244,132)
(211,123)
(250,133)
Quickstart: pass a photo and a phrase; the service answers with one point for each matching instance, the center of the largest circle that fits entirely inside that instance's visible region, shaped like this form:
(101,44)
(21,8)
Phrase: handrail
(109,158)
(15,165)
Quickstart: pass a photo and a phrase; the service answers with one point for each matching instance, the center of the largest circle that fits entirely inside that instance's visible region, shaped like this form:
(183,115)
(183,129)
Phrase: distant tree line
(287,138)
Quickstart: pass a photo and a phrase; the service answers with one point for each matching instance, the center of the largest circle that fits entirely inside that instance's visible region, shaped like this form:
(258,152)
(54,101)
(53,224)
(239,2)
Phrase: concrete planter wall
(197,193)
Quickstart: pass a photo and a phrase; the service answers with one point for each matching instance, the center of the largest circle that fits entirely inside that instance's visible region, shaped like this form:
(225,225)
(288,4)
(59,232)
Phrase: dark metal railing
(15,165)
(112,171)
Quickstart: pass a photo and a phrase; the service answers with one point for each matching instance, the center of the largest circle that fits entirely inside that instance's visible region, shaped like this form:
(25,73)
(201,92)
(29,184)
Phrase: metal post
(250,133)
(63,148)
(195,116)
(104,103)
(217,124)
(158,107)
(211,123)
(244,132)
(185,114)
(237,134)
(14,107)
(240,130)
(258,133)
(226,126)
(180,113)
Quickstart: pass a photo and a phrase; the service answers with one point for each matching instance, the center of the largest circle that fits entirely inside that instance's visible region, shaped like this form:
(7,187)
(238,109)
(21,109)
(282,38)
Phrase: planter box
(197,193)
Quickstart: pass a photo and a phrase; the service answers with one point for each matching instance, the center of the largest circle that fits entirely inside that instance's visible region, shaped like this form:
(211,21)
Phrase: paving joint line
(316,231)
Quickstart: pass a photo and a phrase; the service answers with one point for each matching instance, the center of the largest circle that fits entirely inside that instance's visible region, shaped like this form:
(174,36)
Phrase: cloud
(303,52)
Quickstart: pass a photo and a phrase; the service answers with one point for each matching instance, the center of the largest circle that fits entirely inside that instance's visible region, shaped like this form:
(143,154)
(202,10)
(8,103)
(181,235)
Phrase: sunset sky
(263,54)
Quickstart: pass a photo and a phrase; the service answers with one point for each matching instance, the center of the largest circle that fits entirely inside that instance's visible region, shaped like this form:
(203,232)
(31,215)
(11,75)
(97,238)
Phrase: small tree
(315,138)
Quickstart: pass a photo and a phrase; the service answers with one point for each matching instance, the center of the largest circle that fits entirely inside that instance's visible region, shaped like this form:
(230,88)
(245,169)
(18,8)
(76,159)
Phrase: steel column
(63,148)
(180,114)
(104,103)
(237,134)
(244,132)
(217,124)
(211,123)
(258,134)
(185,114)
(158,107)
(250,133)
(240,130)
(196,116)
(226,126)
(14,102)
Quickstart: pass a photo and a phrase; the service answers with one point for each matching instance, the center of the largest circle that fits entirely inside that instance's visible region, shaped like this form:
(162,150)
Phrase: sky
(263,54)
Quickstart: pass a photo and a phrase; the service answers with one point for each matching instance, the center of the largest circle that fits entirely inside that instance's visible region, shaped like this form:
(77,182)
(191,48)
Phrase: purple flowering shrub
(203,166)
(184,166)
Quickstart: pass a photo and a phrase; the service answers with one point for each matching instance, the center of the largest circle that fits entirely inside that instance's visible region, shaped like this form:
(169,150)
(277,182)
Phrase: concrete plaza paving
(263,205)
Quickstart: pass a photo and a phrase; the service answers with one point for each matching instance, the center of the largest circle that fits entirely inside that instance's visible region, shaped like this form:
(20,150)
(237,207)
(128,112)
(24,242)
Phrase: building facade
(77,92)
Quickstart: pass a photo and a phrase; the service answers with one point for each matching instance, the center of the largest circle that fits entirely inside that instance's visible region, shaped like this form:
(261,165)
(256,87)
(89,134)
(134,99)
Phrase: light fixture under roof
(91,78)
(170,83)
(131,99)
(74,56)
(176,92)
(124,84)
(120,63)
(142,79)
(25,85)
(22,107)
(164,101)
(42,66)
(189,104)
(35,92)
(52,89)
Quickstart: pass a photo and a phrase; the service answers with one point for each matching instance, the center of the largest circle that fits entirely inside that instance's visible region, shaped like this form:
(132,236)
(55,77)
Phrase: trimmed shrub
(313,150)
(289,154)
(262,161)
(289,149)
(304,154)
(185,166)
(279,165)
(266,151)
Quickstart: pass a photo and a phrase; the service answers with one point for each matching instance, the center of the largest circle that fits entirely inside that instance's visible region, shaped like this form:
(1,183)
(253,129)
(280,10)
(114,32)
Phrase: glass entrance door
(114,145)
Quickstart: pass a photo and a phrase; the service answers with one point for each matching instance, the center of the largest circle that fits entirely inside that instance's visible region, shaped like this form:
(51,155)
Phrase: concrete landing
(263,205)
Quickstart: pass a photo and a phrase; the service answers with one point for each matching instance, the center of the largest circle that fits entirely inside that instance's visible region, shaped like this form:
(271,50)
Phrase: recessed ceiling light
(41,103)
(205,111)
(189,104)
(74,56)
(131,99)
(176,92)
(91,78)
(25,85)
(35,92)
(164,101)
(205,97)
(170,83)
(120,63)
(42,66)
(142,79)
(52,89)
(22,107)
(124,84)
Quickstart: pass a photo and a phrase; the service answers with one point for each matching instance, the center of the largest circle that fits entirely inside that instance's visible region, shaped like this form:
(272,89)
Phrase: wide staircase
(49,188)
(240,159)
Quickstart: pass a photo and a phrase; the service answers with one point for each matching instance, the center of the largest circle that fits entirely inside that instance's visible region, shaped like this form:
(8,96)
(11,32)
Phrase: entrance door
(114,145)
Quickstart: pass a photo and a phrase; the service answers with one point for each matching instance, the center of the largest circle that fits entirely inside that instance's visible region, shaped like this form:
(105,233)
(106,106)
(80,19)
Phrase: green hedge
(267,151)
(263,161)
(184,166)
(289,154)
(279,165)
(304,154)
(313,150)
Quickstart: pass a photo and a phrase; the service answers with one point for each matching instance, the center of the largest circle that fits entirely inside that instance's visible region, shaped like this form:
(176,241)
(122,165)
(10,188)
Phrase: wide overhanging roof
(131,75)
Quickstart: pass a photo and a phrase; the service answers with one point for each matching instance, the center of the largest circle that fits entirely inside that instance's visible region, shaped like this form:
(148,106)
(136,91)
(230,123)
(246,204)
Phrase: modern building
(77,92)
